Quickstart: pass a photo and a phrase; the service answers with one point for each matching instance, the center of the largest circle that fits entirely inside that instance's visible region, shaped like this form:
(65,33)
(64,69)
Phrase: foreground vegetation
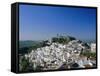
(89,54)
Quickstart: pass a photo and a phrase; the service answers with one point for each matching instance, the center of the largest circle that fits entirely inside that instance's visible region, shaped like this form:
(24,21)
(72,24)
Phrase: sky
(45,22)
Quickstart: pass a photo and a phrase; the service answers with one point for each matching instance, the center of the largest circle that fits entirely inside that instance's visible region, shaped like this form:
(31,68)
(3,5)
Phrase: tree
(24,64)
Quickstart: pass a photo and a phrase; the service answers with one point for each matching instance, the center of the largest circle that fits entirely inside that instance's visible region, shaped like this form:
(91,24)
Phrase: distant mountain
(89,41)
(27,43)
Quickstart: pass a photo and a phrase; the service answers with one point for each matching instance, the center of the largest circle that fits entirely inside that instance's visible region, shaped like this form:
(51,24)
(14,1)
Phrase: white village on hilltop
(57,55)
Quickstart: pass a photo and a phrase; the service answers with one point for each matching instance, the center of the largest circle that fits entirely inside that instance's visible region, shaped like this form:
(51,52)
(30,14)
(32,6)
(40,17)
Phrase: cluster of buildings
(93,47)
(57,55)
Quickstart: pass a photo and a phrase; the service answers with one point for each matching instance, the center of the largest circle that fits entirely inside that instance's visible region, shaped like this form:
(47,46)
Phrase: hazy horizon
(45,22)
